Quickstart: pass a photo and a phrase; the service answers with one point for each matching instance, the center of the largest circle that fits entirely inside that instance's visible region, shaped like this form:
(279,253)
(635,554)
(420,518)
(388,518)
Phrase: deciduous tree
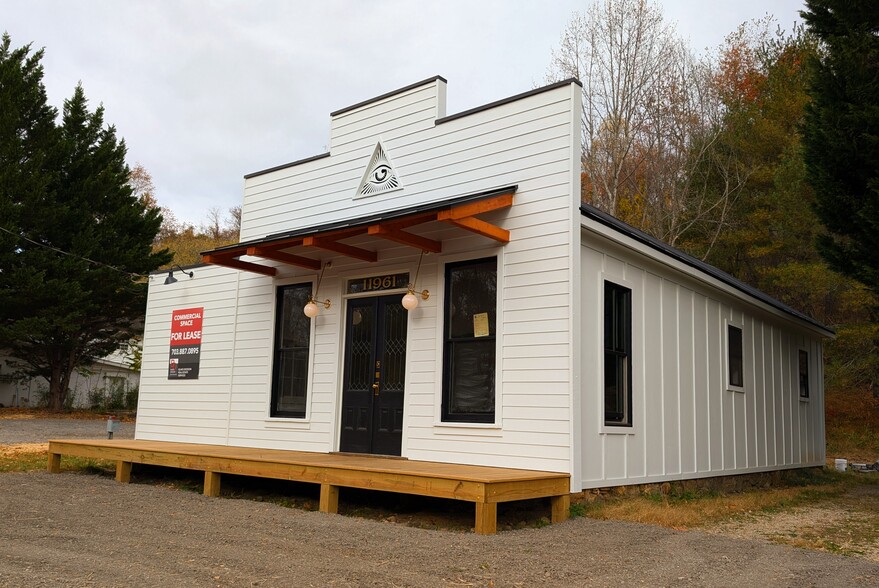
(650,120)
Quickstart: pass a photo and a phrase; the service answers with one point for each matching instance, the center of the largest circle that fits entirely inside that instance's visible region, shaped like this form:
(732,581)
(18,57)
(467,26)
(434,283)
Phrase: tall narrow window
(469,349)
(617,355)
(804,373)
(292,342)
(734,356)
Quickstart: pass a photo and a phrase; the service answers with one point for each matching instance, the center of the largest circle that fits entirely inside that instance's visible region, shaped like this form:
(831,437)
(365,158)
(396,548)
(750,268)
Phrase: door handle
(375,389)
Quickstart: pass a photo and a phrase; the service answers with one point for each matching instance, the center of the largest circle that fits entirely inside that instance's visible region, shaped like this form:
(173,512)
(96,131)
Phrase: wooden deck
(484,486)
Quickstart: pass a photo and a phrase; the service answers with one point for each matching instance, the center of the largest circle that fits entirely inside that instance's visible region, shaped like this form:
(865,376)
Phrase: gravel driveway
(80,530)
(30,430)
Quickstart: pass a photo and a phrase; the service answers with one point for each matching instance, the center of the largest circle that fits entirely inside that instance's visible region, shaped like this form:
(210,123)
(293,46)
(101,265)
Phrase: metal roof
(364,220)
(604,218)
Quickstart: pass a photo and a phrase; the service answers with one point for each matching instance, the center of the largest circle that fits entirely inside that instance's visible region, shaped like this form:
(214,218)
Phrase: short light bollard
(112,426)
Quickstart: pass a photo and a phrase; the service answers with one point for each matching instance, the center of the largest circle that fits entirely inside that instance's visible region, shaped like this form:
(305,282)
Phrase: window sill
(730,388)
(287,423)
(484,429)
(805,399)
(620,430)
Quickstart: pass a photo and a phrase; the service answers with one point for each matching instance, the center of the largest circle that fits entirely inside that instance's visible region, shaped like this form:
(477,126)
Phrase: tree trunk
(59,382)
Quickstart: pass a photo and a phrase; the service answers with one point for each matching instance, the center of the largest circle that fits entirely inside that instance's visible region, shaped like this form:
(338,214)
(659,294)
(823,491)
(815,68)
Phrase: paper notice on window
(480,324)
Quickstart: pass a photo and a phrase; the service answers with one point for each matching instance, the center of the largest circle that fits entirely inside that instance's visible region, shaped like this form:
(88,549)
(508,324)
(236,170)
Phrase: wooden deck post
(486,518)
(212,484)
(329,498)
(561,508)
(54,465)
(123,471)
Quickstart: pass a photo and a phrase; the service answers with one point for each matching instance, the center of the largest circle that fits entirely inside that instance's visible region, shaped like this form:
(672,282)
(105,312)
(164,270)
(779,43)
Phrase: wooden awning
(400,227)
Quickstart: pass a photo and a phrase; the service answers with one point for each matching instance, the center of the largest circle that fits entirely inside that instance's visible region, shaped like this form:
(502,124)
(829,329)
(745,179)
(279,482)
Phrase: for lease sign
(185,344)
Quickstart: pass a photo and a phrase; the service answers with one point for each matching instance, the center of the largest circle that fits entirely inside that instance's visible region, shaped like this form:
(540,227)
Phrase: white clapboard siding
(194,411)
(686,422)
(532,143)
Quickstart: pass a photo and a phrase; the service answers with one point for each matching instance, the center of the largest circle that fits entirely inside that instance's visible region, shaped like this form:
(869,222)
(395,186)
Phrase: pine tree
(841,134)
(75,240)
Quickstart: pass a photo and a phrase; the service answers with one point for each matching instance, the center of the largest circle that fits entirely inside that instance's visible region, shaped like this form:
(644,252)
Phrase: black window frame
(617,349)
(803,370)
(277,351)
(449,343)
(735,356)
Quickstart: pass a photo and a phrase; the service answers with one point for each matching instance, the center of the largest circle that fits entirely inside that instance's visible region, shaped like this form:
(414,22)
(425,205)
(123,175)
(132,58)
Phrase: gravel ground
(31,430)
(80,530)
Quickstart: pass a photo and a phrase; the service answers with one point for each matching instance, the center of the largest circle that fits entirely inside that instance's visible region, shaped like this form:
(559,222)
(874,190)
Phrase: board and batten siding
(533,143)
(686,422)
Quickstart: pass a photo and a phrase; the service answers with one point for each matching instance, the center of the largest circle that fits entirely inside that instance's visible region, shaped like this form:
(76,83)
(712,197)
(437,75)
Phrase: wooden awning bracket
(400,236)
(393,229)
(238,264)
(333,245)
(289,258)
(478,226)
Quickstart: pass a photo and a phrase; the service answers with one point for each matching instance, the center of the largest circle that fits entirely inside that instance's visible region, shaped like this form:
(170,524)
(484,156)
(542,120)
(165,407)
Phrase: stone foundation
(725,484)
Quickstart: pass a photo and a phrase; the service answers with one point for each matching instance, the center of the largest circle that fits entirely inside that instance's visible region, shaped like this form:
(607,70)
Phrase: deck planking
(483,485)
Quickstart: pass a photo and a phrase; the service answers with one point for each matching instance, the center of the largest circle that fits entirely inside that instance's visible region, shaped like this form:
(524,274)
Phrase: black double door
(374,378)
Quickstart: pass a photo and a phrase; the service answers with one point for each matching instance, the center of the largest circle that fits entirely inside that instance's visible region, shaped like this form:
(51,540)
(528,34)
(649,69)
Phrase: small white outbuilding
(464,307)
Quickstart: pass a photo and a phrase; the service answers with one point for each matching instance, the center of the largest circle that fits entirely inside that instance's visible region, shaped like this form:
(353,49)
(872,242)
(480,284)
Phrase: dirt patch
(848,525)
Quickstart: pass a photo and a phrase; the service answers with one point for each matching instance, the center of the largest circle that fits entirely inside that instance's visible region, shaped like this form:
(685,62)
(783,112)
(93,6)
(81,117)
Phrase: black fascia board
(606,219)
(388,95)
(503,101)
(438,121)
(363,221)
(286,165)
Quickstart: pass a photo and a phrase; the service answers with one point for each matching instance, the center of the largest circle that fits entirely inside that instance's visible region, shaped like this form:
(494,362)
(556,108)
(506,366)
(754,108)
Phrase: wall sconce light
(171,279)
(410,299)
(311,309)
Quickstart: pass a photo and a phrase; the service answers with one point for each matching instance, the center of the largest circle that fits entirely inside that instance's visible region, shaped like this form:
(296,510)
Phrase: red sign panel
(185,350)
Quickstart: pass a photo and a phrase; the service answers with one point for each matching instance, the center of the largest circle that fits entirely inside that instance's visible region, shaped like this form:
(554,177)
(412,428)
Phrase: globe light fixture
(312,307)
(410,299)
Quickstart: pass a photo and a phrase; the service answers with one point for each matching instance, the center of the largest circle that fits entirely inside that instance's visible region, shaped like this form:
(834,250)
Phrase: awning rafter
(460,213)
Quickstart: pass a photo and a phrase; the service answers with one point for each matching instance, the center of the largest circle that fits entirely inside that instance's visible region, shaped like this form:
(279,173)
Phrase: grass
(33,457)
(696,509)
(852,424)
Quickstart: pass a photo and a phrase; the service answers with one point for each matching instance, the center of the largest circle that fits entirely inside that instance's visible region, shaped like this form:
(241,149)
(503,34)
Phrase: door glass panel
(360,376)
(393,369)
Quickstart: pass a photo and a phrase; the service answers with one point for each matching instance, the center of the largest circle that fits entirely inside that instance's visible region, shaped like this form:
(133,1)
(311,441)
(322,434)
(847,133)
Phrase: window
(292,343)
(804,374)
(617,355)
(735,365)
(469,347)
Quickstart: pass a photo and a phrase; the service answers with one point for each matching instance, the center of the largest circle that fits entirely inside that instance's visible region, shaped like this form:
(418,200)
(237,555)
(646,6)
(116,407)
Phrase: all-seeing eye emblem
(380,175)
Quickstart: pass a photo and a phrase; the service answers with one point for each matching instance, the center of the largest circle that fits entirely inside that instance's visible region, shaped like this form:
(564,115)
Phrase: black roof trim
(497,103)
(602,217)
(285,165)
(388,95)
(357,222)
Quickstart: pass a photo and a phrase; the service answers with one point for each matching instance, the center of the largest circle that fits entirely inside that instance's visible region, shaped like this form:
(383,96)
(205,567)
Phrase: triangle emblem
(380,175)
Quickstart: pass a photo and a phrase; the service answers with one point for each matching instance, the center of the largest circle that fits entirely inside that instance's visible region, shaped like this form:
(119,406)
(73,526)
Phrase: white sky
(206,91)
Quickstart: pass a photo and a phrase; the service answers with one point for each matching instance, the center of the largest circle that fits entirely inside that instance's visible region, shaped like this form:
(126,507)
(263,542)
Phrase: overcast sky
(205,92)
